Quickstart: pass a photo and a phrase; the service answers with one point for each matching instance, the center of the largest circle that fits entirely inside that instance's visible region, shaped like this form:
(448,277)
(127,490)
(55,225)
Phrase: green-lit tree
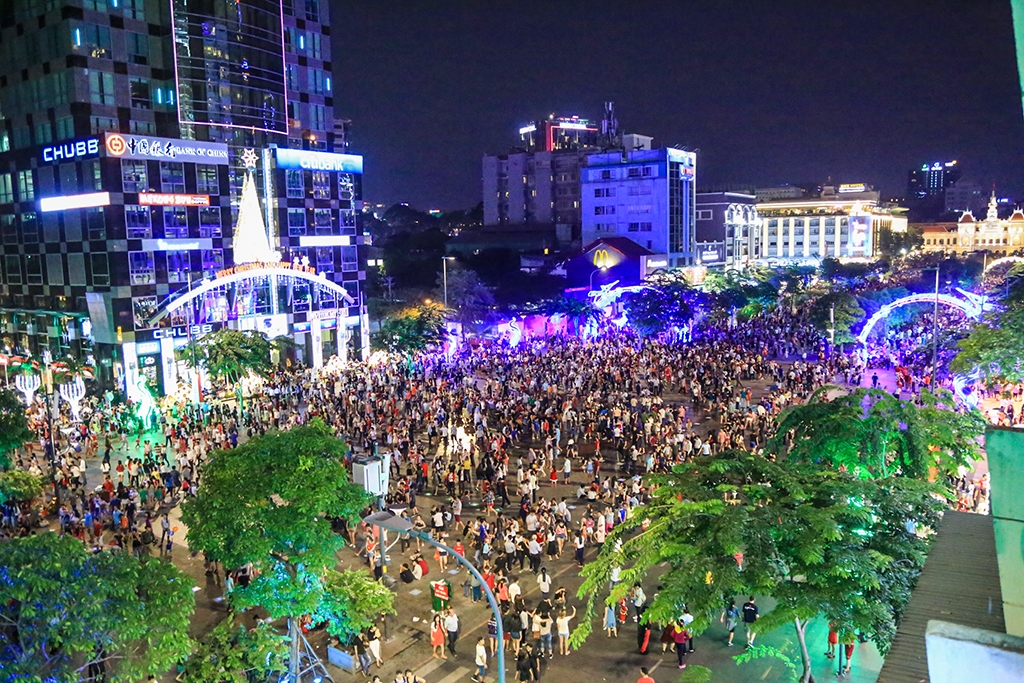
(872,433)
(576,311)
(270,502)
(995,346)
(654,310)
(230,653)
(14,431)
(68,614)
(229,355)
(822,543)
(412,329)
(19,486)
(842,307)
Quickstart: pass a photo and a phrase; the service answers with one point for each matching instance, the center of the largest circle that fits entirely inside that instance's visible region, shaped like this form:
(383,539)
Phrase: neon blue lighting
(973,305)
(308,160)
(78,37)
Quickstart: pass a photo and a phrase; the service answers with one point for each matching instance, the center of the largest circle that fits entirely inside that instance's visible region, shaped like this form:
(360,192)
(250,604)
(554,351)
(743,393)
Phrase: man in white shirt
(481,660)
(451,625)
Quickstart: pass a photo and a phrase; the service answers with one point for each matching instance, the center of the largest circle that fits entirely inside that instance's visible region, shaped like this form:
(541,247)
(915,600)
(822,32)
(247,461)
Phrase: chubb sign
(66,151)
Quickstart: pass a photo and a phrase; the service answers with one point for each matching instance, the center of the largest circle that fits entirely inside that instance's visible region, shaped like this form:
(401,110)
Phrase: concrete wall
(959,654)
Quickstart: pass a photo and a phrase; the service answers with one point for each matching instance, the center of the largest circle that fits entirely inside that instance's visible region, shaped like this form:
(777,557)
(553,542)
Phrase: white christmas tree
(251,243)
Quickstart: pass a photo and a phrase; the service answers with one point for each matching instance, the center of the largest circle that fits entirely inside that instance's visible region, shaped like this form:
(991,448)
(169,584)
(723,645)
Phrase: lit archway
(253,272)
(973,305)
(1003,260)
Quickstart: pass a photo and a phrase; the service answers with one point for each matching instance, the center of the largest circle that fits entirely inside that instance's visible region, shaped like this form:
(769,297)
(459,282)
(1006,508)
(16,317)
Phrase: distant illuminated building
(932,180)
(994,235)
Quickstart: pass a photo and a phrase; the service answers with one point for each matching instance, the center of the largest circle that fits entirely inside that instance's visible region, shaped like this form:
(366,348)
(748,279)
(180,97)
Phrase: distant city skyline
(793,92)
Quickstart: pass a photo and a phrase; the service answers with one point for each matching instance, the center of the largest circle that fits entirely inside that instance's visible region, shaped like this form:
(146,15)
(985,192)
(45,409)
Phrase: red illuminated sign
(161,199)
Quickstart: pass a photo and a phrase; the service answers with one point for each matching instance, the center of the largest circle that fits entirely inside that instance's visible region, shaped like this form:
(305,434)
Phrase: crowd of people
(496,429)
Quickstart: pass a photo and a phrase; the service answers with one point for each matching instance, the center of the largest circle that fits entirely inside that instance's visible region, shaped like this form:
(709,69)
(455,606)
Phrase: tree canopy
(68,613)
(654,310)
(872,433)
(847,314)
(412,329)
(468,297)
(995,346)
(229,355)
(230,650)
(14,431)
(819,541)
(19,486)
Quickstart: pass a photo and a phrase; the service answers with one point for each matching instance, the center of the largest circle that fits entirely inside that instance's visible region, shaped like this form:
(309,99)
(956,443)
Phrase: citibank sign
(66,151)
(310,160)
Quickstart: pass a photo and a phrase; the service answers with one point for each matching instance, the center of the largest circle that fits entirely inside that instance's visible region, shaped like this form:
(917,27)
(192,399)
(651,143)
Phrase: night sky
(767,92)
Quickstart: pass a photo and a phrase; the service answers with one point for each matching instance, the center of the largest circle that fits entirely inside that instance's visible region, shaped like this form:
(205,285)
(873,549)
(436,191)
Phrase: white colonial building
(999,236)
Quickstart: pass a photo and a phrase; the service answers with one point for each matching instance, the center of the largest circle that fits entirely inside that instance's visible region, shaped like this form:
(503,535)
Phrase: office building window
(349,259)
(101,87)
(295,184)
(296,222)
(134,9)
(172,176)
(13,267)
(317,81)
(140,266)
(141,98)
(321,185)
(317,117)
(138,222)
(348,222)
(213,260)
(26,186)
(95,223)
(137,127)
(313,10)
(134,176)
(33,269)
(92,40)
(93,174)
(207,181)
(178,266)
(138,47)
(603,210)
(6,189)
(8,229)
(99,124)
(325,259)
(705,214)
(175,221)
(209,221)
(43,133)
(322,221)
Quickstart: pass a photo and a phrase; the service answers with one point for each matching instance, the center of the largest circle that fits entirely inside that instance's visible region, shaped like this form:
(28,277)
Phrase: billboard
(310,160)
(859,243)
(165,149)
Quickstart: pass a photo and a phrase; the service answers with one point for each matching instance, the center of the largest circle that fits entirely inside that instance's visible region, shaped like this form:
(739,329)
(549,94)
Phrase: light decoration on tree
(73,392)
(28,384)
(608,294)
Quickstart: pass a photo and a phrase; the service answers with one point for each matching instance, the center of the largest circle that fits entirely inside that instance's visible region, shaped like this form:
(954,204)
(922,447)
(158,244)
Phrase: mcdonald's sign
(602,259)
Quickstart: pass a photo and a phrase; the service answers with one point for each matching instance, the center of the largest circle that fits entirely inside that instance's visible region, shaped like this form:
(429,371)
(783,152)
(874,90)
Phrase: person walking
(750,615)
(373,644)
(451,625)
(645,676)
(437,636)
(481,660)
(730,616)
(679,637)
(562,622)
(611,627)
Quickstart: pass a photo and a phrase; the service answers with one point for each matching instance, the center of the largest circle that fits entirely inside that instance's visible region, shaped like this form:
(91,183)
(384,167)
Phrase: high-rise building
(137,138)
(931,180)
(647,196)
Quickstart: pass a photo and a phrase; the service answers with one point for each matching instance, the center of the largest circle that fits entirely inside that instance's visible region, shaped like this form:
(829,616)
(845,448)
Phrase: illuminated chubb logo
(172,332)
(601,258)
(71,150)
(308,160)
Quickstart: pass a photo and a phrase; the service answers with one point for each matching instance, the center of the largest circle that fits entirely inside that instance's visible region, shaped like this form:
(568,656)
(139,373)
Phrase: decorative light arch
(1001,261)
(973,305)
(250,272)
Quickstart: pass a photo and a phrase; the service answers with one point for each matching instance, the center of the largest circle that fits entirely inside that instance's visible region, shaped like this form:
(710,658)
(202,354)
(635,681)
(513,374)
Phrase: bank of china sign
(165,149)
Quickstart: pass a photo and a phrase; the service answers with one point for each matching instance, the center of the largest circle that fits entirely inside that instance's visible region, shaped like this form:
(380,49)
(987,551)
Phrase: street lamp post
(444,268)
(595,271)
(392,522)
(935,330)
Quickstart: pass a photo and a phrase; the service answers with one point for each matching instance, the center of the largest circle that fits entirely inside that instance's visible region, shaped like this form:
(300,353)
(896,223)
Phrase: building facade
(728,229)
(646,196)
(124,128)
(1002,237)
(837,224)
(932,180)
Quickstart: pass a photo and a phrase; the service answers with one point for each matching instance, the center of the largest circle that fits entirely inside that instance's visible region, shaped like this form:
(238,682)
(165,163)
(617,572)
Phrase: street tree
(230,653)
(14,431)
(229,355)
(269,503)
(20,486)
(577,312)
(655,310)
(995,346)
(69,614)
(872,433)
(838,311)
(412,328)
(468,298)
(822,543)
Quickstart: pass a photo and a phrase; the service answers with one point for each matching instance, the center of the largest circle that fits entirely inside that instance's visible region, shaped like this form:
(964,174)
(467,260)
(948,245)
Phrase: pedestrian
(750,615)
(645,676)
(679,637)
(451,625)
(481,660)
(730,616)
(610,625)
(437,636)
(373,644)
(833,640)
(562,623)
